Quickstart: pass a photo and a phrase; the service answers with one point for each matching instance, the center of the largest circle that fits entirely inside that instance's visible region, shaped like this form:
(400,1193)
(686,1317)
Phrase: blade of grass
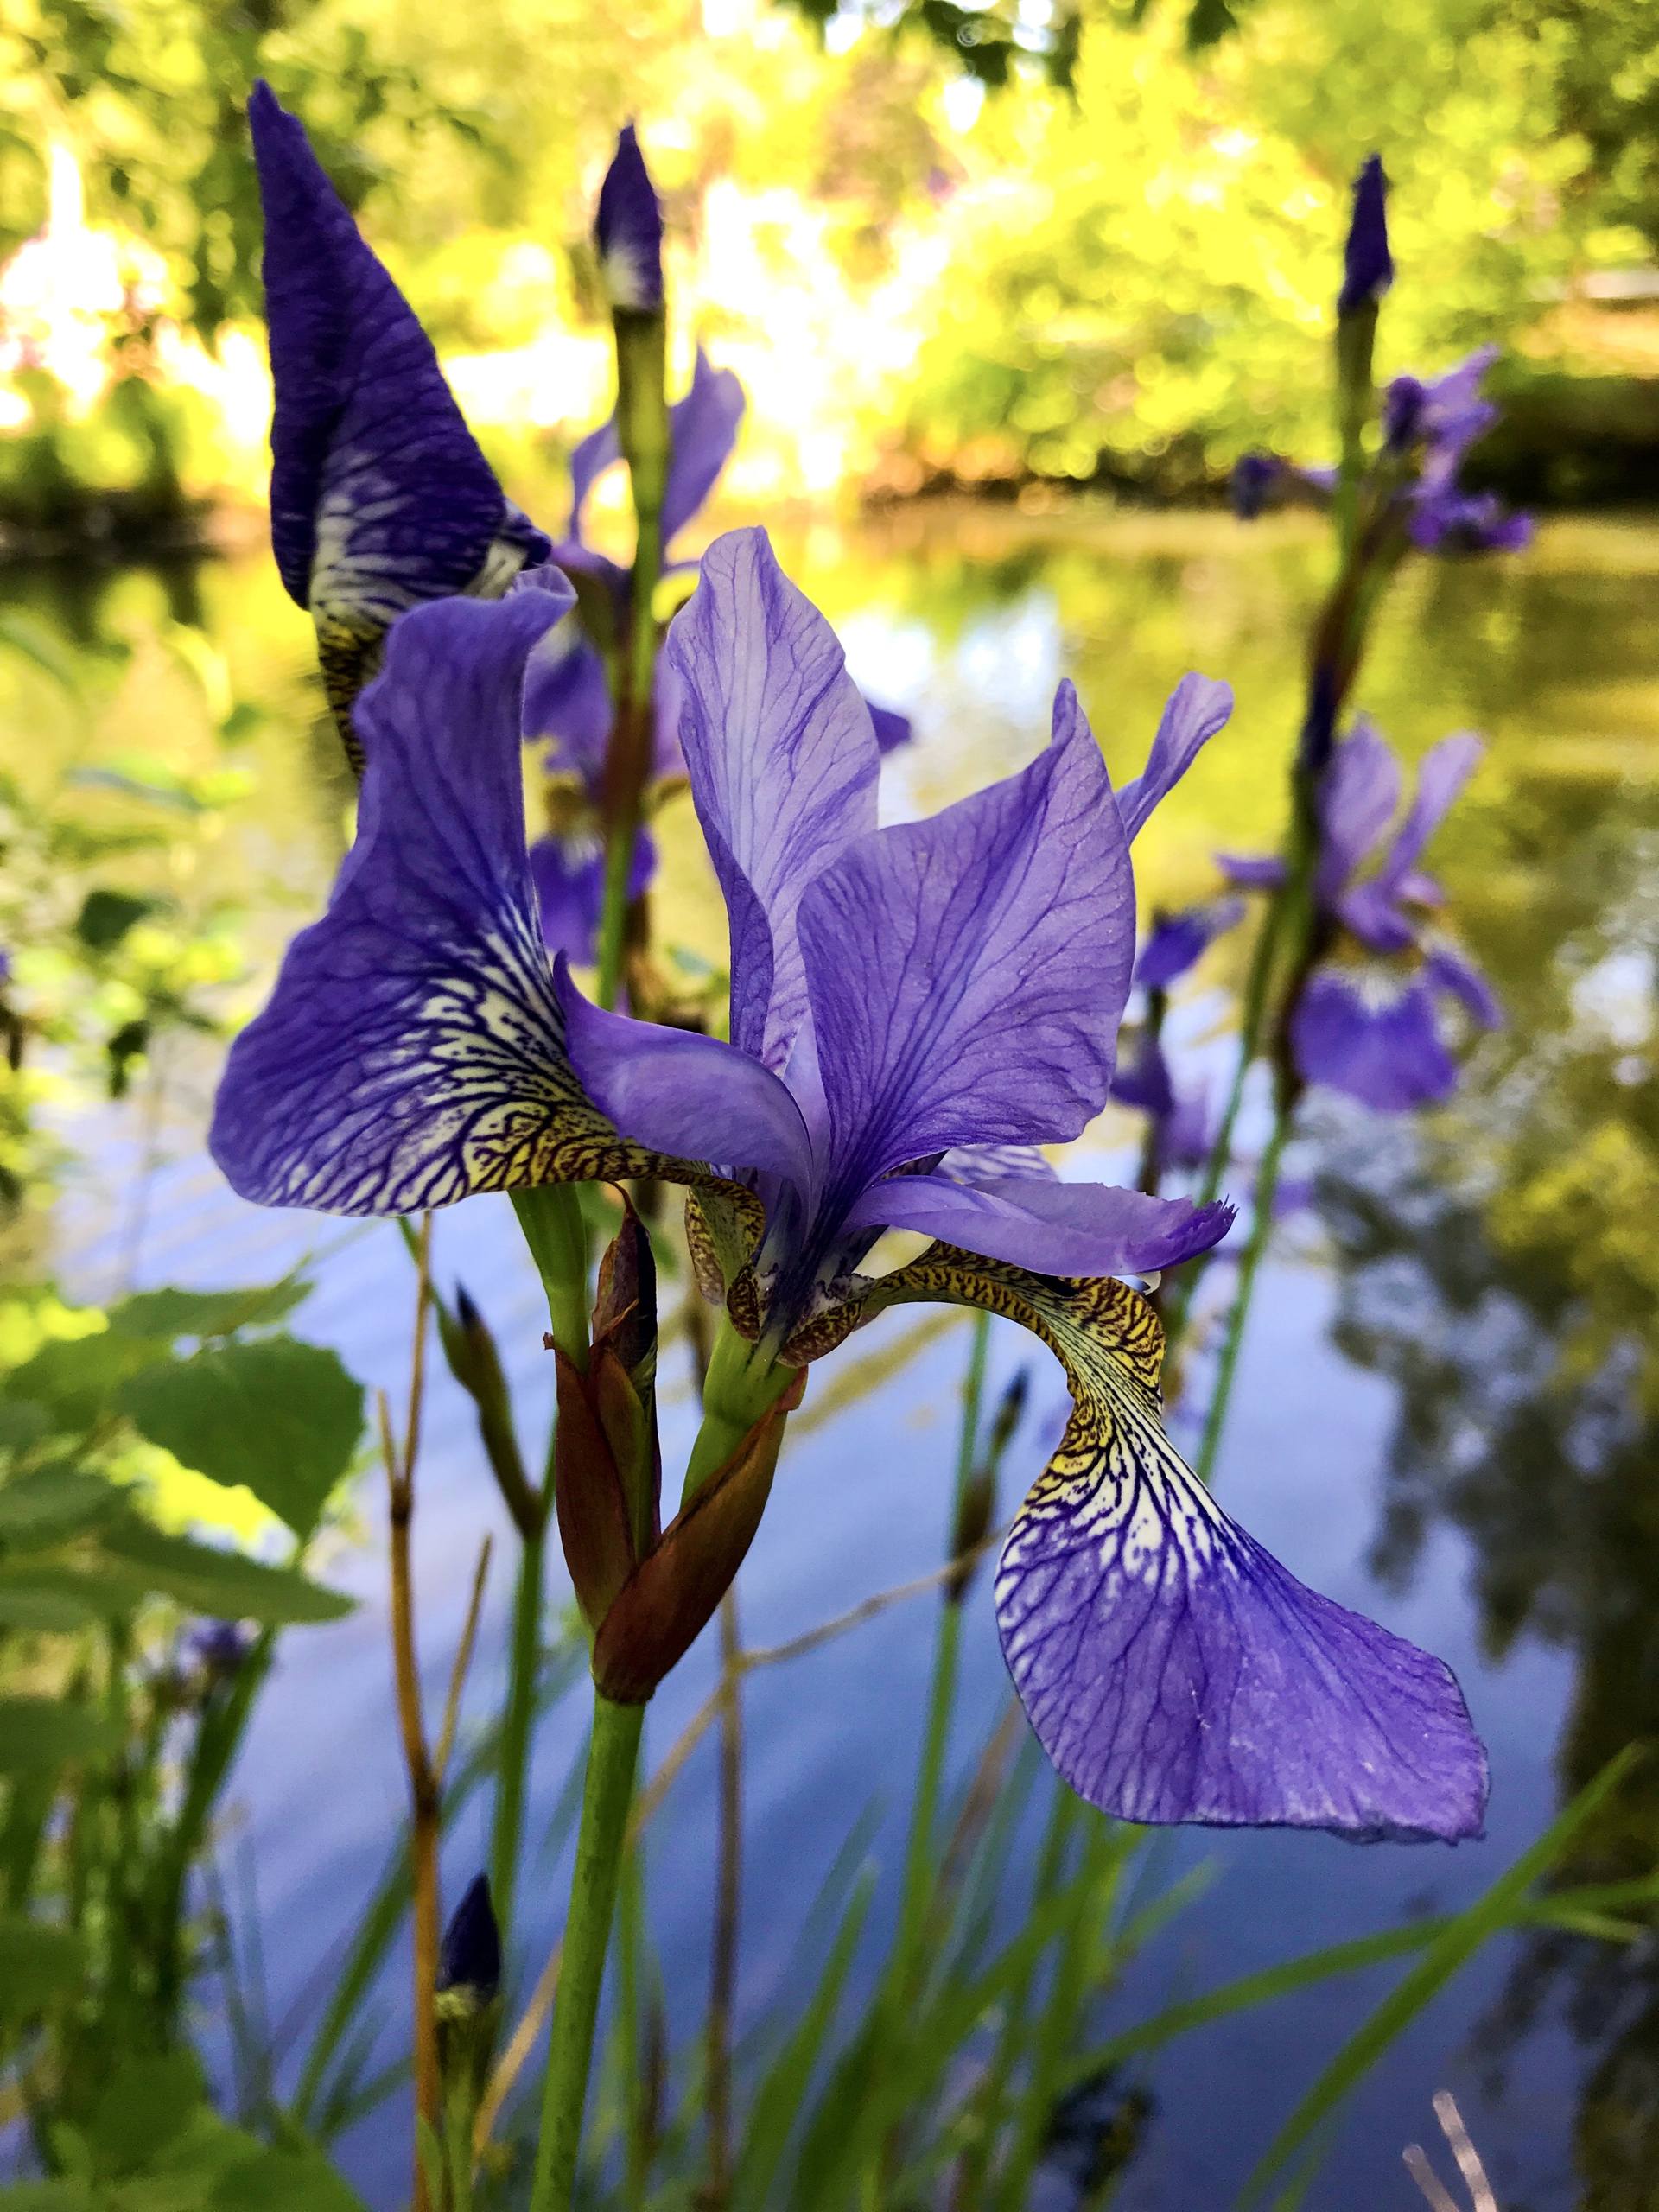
(1450,1950)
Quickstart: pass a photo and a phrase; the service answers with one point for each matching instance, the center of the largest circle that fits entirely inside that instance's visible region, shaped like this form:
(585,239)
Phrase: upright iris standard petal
(968,973)
(1373,1035)
(379,495)
(1366,263)
(1196,709)
(628,231)
(783,762)
(703,430)
(1057,1228)
(1171,1667)
(568,704)
(1358,794)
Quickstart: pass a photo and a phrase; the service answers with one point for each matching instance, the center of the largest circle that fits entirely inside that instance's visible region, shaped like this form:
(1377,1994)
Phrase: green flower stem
(525,1669)
(942,1697)
(742,1386)
(551,1219)
(607,1796)
(1267,1184)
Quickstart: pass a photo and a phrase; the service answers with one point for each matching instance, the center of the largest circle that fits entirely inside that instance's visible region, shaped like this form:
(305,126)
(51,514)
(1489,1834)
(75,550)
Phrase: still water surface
(1446,1414)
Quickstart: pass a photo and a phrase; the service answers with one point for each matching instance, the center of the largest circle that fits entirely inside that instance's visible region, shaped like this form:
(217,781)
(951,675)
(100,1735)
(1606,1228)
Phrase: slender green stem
(633,739)
(1267,1184)
(942,1697)
(516,1725)
(607,1796)
(993,2095)
(551,1219)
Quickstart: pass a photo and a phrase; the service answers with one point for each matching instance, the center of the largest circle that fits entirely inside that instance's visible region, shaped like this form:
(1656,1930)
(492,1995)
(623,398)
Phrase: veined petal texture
(1171,1667)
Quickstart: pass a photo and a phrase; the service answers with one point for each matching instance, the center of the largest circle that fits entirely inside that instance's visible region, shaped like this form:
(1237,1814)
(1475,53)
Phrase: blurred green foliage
(1122,264)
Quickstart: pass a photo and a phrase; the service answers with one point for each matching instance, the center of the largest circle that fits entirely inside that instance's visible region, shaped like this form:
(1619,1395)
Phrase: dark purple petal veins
(1172,1669)
(783,763)
(967,972)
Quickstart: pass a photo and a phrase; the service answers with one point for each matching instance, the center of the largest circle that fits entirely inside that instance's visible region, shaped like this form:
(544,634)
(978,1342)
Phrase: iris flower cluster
(915,1010)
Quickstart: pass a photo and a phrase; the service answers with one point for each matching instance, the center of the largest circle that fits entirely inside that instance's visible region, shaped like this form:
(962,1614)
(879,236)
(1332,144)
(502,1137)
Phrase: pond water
(1447,1404)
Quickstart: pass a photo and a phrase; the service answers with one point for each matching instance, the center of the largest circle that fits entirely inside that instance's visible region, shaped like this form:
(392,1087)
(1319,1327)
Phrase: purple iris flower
(1444,418)
(1372,1029)
(379,496)
(1178,942)
(628,231)
(568,710)
(1182,1134)
(1367,264)
(906,1003)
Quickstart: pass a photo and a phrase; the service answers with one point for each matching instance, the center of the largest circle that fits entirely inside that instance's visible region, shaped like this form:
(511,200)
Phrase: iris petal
(680,1091)
(967,972)
(783,763)
(413,1050)
(1357,798)
(1195,710)
(1171,1669)
(379,495)
(1057,1229)
(1374,1041)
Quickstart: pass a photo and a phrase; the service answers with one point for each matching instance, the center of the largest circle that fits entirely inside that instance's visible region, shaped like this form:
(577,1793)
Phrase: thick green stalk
(517,1721)
(607,1796)
(551,1219)
(632,743)
(742,1385)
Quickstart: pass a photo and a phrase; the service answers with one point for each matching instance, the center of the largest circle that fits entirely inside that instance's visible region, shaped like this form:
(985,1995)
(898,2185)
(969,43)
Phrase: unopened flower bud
(1367,264)
(628,231)
(469,1959)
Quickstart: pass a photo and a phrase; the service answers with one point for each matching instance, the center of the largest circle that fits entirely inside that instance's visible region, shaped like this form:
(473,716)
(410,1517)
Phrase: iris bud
(1366,263)
(469,1959)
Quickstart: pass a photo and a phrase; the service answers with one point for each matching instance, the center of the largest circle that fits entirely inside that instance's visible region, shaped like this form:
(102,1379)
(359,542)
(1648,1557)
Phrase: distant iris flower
(1440,421)
(906,1003)
(379,496)
(568,706)
(1371,1027)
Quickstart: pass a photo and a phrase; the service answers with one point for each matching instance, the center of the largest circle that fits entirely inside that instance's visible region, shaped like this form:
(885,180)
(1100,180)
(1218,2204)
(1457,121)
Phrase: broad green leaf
(51,1505)
(224,1584)
(76,1378)
(51,1610)
(37,1961)
(21,1424)
(46,1731)
(145,2107)
(165,1314)
(284,2181)
(281,1416)
(106,916)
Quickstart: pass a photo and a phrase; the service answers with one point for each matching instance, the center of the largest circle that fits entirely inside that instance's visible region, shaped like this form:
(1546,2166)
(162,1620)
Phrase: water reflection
(1500,1268)
(1497,1267)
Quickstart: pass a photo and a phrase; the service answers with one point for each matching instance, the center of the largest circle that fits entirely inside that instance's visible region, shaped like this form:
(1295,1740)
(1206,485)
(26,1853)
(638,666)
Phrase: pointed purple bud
(628,231)
(469,1960)
(1367,264)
